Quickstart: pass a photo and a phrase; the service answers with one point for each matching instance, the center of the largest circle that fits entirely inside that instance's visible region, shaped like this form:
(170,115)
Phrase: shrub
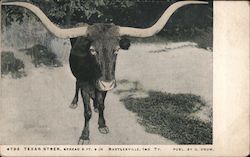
(41,55)
(204,39)
(10,64)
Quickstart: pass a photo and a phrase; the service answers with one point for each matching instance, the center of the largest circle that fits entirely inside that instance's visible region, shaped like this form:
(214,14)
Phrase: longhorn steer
(93,57)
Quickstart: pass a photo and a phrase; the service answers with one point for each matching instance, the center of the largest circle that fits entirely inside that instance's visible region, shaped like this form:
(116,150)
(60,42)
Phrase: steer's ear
(124,43)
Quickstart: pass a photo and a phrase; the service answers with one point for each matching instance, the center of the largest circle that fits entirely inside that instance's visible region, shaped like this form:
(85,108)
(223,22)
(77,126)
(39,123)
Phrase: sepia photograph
(105,72)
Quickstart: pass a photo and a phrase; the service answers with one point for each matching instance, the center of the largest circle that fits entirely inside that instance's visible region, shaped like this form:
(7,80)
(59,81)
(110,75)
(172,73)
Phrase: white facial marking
(117,49)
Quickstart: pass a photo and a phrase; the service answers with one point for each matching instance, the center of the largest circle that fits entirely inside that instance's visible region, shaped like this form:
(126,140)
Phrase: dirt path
(36,113)
(36,107)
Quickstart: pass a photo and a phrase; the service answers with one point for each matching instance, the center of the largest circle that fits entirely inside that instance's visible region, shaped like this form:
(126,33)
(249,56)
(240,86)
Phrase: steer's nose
(106,85)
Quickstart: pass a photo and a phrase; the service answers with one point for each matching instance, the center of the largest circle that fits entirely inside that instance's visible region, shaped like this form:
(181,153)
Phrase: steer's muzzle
(105,85)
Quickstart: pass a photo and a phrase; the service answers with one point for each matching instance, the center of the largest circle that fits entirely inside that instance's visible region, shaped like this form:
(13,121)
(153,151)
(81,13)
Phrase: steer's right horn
(59,32)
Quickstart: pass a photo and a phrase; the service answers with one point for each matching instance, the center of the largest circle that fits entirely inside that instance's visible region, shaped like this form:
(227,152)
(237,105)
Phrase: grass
(169,115)
(152,39)
(203,38)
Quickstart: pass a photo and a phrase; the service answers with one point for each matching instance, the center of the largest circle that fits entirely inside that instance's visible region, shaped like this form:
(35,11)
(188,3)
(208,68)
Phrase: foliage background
(193,22)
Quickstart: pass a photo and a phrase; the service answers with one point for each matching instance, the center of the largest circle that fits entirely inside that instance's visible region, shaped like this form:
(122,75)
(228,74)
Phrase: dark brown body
(88,69)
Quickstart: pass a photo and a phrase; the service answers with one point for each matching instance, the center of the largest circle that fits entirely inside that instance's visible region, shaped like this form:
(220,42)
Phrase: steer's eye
(92,50)
(116,50)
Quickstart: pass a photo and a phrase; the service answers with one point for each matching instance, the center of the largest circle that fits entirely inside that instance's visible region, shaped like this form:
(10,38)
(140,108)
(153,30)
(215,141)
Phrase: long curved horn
(158,26)
(59,32)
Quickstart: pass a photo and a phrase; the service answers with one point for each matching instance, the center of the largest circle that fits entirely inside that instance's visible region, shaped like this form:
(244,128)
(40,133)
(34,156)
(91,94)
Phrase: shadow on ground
(169,115)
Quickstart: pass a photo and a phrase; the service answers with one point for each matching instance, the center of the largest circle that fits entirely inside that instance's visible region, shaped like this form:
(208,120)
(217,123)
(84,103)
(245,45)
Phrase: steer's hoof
(96,110)
(104,130)
(83,142)
(73,106)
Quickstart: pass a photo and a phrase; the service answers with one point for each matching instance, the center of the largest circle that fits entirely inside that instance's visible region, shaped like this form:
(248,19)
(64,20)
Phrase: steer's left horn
(157,27)
(59,32)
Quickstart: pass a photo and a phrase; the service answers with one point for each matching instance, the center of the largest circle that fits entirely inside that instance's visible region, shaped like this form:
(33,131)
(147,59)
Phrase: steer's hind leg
(100,97)
(93,97)
(96,106)
(74,104)
(84,139)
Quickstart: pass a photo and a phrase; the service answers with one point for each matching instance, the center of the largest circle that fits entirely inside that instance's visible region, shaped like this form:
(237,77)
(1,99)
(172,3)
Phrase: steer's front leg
(84,139)
(100,97)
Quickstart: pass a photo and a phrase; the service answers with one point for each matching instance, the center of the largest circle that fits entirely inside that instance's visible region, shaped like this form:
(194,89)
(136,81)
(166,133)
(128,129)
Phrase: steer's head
(104,46)
(105,40)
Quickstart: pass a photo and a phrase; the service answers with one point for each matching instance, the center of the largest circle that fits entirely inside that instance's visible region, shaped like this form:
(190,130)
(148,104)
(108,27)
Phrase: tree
(65,12)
